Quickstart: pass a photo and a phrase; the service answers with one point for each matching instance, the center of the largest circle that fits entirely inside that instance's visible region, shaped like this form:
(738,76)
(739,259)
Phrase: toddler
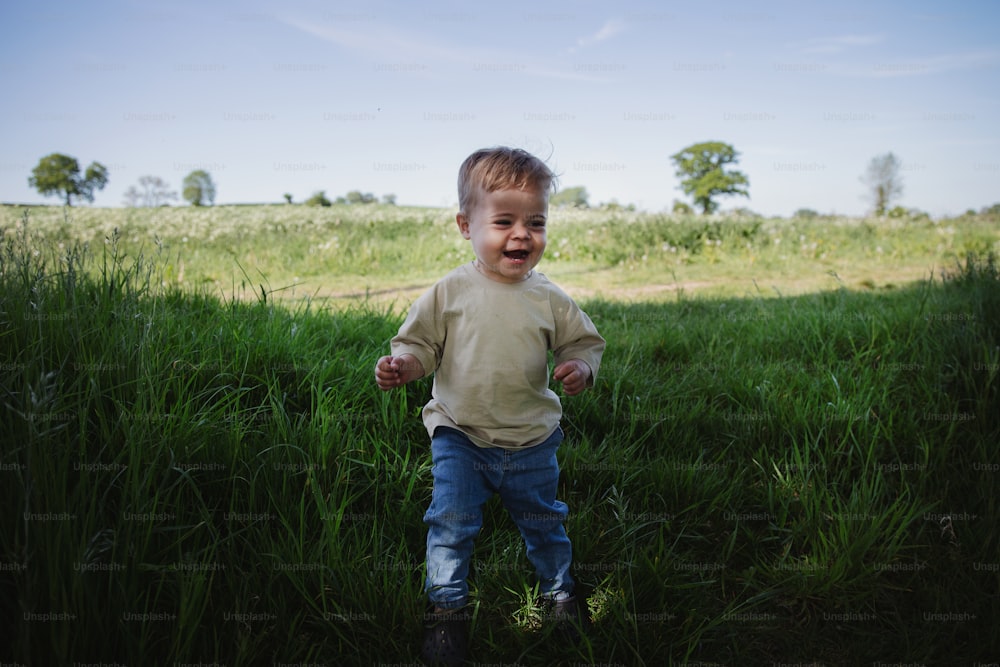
(485,330)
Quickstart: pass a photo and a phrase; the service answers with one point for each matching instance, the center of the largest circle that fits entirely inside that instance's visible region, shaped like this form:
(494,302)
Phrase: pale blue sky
(389,97)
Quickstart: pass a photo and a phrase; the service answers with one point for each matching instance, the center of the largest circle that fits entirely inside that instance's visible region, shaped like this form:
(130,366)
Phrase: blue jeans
(465,477)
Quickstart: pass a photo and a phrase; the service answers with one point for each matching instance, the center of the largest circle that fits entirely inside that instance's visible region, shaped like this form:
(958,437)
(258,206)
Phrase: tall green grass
(188,478)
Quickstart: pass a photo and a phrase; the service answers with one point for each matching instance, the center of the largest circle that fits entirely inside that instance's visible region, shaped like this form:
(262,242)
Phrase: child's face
(507,230)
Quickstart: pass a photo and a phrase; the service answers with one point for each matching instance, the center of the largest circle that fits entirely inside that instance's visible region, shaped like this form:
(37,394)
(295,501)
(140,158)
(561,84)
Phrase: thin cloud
(379,40)
(610,28)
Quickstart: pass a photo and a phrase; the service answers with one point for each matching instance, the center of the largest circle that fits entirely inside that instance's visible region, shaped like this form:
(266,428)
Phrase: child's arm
(392,372)
(578,346)
(574,375)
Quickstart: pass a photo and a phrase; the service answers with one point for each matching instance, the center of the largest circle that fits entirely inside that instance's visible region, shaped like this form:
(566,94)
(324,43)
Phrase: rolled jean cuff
(457,603)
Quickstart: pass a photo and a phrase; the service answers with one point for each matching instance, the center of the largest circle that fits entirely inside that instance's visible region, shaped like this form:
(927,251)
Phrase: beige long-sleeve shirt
(487,343)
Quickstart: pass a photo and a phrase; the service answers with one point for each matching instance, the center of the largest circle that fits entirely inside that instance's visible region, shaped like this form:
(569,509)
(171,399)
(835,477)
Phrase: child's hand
(392,372)
(574,375)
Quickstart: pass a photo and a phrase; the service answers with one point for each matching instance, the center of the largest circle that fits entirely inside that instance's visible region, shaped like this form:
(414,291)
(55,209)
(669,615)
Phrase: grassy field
(391,253)
(790,456)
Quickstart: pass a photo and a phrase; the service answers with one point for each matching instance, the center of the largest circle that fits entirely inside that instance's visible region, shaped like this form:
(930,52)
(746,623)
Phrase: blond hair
(500,168)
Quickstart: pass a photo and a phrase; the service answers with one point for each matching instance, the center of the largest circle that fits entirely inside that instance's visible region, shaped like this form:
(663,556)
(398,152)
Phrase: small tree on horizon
(59,175)
(199,189)
(703,170)
(805,214)
(318,198)
(575,196)
(155,192)
(885,184)
(358,197)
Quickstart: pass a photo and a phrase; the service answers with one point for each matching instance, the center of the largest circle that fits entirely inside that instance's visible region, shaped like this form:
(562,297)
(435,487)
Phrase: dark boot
(569,617)
(446,637)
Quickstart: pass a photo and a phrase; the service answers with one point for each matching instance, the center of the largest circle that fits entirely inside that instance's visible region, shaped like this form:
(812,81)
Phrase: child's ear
(463,224)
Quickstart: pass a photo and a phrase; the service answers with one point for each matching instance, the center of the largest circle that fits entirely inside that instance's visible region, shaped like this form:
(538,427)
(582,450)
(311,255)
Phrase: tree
(614,205)
(199,189)
(884,181)
(132,197)
(288,197)
(357,197)
(155,192)
(59,174)
(389,199)
(318,199)
(575,196)
(702,168)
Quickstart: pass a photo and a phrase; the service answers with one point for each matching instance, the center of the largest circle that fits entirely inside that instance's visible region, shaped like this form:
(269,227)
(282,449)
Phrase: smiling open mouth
(516,254)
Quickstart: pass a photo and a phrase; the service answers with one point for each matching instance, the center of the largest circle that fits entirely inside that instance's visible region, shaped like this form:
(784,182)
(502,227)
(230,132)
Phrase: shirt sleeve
(576,336)
(423,332)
